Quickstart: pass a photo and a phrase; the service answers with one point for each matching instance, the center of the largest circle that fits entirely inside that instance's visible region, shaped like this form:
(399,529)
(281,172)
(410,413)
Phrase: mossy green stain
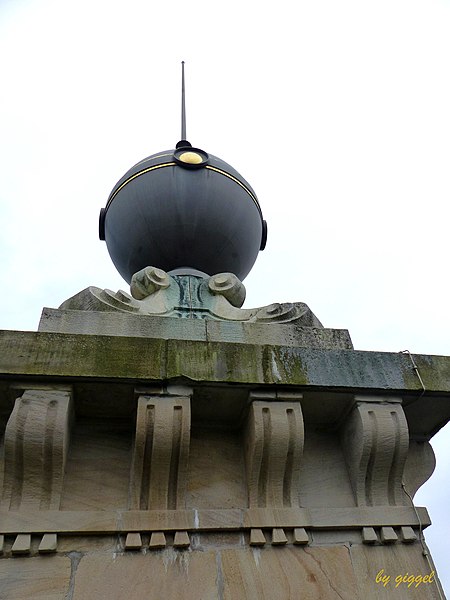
(113,357)
(293,369)
(433,378)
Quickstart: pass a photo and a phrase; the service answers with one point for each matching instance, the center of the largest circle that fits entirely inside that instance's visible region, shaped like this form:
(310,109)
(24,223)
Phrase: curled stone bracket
(148,281)
(219,297)
(228,286)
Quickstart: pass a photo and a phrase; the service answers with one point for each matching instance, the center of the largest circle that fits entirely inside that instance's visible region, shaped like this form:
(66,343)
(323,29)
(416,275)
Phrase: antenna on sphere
(183,104)
(190,212)
(183,141)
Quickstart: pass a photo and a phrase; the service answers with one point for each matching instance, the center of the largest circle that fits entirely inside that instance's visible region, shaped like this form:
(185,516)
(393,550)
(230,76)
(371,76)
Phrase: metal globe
(186,211)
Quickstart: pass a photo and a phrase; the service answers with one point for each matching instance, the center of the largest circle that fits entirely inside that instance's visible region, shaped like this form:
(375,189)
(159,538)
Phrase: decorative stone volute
(220,297)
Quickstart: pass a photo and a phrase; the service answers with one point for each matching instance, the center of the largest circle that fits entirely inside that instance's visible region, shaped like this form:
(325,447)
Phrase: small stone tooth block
(48,543)
(278,537)
(133,541)
(369,535)
(388,535)
(257,537)
(157,540)
(2,544)
(300,536)
(22,544)
(407,534)
(181,540)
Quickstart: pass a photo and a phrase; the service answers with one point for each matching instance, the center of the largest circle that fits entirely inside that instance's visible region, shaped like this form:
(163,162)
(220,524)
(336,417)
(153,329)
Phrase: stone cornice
(119,521)
(53,355)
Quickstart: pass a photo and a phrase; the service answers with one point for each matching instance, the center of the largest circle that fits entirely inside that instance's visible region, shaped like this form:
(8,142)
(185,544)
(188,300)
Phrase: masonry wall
(165,487)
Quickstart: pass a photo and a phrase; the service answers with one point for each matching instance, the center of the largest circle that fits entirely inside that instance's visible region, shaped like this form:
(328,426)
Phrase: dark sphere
(185,210)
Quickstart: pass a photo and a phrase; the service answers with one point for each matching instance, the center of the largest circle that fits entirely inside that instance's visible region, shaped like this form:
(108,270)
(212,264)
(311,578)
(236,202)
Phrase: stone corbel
(375,442)
(36,444)
(274,437)
(160,459)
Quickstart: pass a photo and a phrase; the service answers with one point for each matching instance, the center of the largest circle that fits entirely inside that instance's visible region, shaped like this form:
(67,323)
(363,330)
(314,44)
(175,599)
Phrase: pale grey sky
(337,113)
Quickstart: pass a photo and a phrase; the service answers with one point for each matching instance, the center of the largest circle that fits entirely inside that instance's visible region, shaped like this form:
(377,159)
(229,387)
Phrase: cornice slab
(106,522)
(116,358)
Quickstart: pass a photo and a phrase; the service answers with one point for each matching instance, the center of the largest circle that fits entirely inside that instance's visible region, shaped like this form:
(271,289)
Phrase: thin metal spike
(183,104)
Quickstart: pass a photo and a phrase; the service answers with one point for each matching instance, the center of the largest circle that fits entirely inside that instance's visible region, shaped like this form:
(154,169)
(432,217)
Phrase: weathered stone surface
(133,541)
(85,522)
(91,543)
(393,561)
(22,544)
(222,571)
(155,575)
(257,537)
(97,359)
(211,486)
(388,535)
(133,325)
(181,540)
(278,537)
(274,446)
(219,297)
(49,543)
(300,536)
(55,320)
(375,444)
(288,573)
(281,468)
(369,535)
(98,466)
(161,452)
(157,540)
(419,466)
(315,479)
(408,535)
(39,578)
(54,354)
(36,444)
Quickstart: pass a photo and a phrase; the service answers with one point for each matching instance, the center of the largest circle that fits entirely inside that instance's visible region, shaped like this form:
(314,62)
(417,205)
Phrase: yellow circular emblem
(191,158)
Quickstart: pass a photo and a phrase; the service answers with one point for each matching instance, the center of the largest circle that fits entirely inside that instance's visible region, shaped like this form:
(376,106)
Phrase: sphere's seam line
(152,158)
(170,164)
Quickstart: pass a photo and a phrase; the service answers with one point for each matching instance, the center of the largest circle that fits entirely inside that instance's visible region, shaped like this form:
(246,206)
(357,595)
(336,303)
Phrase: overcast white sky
(337,113)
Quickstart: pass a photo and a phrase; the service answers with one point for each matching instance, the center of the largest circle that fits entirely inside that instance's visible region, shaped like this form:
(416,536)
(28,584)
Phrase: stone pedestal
(169,463)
